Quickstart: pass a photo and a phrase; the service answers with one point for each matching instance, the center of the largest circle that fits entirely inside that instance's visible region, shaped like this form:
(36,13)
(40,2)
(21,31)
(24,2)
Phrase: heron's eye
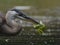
(15,15)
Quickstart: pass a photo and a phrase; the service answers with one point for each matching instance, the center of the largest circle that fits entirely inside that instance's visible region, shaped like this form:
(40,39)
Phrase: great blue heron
(9,25)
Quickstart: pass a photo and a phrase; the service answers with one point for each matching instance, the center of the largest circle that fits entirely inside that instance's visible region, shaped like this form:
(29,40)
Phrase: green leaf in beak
(40,28)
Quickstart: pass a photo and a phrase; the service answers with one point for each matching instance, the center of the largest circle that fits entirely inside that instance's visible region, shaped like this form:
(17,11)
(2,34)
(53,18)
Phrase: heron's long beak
(26,18)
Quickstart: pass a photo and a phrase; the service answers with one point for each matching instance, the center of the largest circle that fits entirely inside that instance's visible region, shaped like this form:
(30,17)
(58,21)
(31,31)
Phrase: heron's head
(12,17)
(18,14)
(14,13)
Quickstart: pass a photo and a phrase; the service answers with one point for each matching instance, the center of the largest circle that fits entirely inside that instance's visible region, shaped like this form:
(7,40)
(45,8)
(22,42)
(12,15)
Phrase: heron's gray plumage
(11,26)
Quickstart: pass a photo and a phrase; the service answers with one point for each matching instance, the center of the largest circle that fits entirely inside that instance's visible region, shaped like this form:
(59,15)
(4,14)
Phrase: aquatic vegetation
(40,27)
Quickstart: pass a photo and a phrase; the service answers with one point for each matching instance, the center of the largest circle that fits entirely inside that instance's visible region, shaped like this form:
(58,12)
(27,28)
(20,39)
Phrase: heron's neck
(10,19)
